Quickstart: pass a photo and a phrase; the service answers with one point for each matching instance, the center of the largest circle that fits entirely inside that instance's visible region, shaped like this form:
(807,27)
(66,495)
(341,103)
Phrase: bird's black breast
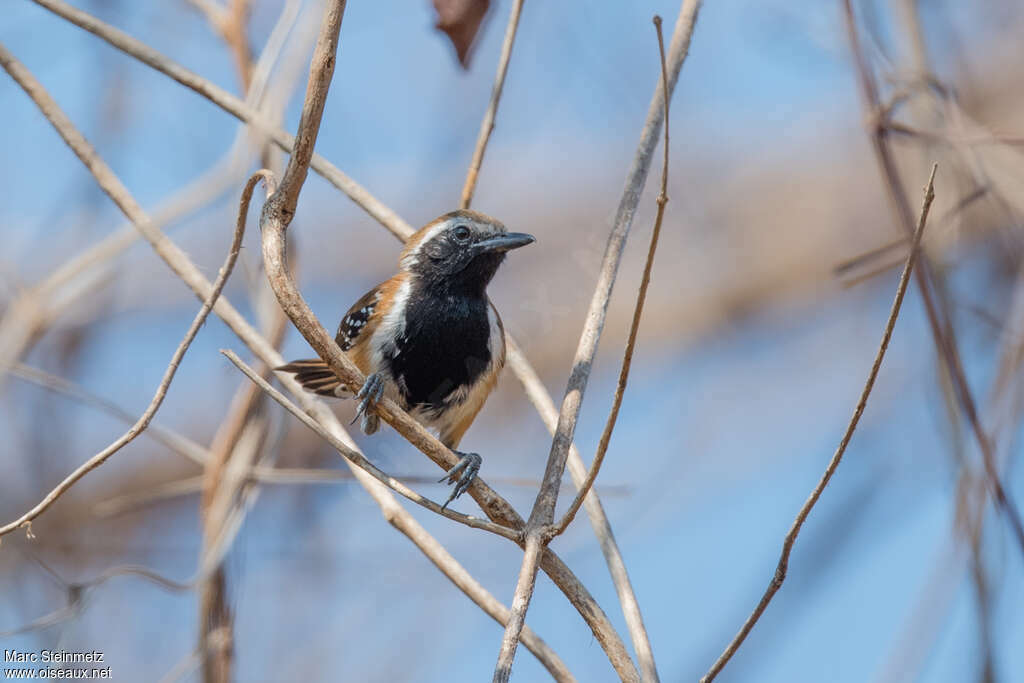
(444,347)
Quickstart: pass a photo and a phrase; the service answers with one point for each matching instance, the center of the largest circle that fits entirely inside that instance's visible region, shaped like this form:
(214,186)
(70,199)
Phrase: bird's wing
(356,320)
(313,373)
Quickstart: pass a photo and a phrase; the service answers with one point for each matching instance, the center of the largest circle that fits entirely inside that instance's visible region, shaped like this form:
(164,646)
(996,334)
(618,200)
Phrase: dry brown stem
(437,554)
(35,90)
(223,489)
(787,545)
(543,401)
(229,22)
(634,328)
(38,307)
(231,104)
(538,529)
(360,461)
(487,125)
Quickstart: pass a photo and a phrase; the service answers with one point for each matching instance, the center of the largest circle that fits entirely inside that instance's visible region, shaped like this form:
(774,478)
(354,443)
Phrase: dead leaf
(461,20)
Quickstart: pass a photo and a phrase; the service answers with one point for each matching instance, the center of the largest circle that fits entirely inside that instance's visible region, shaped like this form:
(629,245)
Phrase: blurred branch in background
(230,22)
(939,320)
(38,308)
(109,181)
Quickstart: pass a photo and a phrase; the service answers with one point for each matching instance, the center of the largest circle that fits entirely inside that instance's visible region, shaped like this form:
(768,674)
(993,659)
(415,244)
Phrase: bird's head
(460,250)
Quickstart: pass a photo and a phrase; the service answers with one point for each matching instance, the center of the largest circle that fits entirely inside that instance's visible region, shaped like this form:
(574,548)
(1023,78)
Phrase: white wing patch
(391,327)
(353,323)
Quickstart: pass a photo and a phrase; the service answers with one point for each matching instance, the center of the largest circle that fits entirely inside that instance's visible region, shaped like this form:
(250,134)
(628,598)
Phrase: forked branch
(538,531)
(638,310)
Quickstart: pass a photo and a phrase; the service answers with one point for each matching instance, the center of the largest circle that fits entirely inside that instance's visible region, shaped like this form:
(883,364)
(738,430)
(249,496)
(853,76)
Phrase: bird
(428,338)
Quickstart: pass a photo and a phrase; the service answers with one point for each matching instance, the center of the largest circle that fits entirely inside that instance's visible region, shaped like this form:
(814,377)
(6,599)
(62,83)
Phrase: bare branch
(226,497)
(543,510)
(542,400)
(282,476)
(487,125)
(35,309)
(360,461)
(282,204)
(794,531)
(638,309)
(82,148)
(177,443)
(231,104)
(496,507)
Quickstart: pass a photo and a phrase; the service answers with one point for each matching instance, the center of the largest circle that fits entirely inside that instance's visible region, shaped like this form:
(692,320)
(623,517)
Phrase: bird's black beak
(506,242)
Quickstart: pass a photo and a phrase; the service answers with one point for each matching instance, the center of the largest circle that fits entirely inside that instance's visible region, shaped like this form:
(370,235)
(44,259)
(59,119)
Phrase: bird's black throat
(444,345)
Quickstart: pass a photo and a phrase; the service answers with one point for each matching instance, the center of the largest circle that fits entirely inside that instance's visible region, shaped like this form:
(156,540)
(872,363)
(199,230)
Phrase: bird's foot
(372,391)
(462,475)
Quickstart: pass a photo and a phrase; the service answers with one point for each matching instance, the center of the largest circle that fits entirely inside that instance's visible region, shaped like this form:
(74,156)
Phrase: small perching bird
(428,338)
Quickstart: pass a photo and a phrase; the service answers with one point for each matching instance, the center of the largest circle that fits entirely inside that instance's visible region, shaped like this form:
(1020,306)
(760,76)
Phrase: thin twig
(227,495)
(229,22)
(542,514)
(281,476)
(175,442)
(634,328)
(231,104)
(866,257)
(787,545)
(543,401)
(942,330)
(360,461)
(27,81)
(487,125)
(281,206)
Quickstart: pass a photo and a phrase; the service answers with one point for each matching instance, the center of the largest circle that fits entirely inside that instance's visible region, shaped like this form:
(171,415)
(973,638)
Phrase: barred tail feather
(314,376)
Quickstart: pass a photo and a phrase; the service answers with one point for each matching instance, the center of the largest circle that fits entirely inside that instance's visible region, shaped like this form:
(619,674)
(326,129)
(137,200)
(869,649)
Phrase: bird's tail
(314,376)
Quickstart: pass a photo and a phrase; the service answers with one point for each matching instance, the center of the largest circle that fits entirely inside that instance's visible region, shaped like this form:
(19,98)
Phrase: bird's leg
(372,391)
(462,475)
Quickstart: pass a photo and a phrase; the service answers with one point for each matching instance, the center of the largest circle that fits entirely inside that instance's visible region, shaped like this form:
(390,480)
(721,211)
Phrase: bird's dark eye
(461,233)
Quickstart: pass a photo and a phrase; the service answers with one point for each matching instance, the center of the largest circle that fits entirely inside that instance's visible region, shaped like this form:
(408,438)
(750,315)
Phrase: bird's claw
(462,475)
(368,396)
